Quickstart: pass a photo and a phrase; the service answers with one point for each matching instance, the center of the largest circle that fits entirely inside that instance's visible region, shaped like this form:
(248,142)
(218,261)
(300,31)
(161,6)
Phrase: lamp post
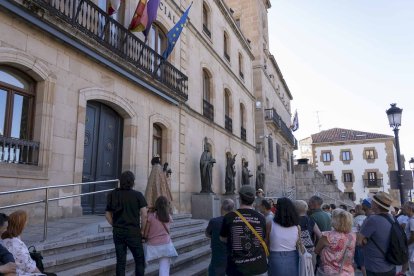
(394,118)
(411,162)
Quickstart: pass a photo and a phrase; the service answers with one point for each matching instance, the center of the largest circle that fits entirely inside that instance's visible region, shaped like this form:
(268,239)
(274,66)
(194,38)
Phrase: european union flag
(174,33)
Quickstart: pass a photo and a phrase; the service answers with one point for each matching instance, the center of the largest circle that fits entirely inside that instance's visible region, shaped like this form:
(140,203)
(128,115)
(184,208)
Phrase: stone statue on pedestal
(246,174)
(230,174)
(260,178)
(206,169)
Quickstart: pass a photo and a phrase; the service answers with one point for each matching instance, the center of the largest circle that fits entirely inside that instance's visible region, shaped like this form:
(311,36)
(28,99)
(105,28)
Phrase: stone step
(107,267)
(68,260)
(197,269)
(105,237)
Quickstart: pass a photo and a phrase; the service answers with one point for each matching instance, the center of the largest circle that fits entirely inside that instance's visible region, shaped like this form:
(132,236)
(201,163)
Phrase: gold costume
(157,186)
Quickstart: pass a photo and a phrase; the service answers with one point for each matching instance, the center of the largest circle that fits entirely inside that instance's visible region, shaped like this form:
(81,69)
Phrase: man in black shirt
(125,207)
(246,255)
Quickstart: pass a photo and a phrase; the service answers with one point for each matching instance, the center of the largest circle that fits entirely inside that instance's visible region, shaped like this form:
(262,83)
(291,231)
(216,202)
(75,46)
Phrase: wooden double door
(102,154)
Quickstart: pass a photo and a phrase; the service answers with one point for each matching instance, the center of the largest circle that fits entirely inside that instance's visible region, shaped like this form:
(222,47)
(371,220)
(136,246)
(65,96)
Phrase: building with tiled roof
(357,162)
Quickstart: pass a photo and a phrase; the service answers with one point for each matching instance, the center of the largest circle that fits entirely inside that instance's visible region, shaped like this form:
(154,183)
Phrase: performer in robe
(157,183)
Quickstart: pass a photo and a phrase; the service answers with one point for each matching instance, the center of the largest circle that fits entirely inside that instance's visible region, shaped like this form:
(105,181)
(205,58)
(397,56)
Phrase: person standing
(377,227)
(125,209)
(157,184)
(258,200)
(218,261)
(7,264)
(246,248)
(266,210)
(356,227)
(321,218)
(309,229)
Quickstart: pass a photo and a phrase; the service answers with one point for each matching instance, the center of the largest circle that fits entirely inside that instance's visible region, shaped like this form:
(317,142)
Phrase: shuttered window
(279,162)
(270,140)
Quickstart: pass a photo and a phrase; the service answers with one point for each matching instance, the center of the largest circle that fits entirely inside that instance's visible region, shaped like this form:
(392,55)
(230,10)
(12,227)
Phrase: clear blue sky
(348,60)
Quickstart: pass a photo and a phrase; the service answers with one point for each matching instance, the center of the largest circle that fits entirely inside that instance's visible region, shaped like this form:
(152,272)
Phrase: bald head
(227,206)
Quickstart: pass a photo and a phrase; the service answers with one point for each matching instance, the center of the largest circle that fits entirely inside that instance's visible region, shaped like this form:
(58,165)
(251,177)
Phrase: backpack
(397,252)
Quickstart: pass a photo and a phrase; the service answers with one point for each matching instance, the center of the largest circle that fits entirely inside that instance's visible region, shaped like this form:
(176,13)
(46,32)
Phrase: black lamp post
(394,118)
(411,162)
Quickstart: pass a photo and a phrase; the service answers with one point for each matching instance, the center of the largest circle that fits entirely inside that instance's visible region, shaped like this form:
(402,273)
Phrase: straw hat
(383,199)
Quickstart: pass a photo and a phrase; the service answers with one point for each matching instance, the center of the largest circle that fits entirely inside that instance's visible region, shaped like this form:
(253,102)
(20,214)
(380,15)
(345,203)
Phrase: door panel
(102,154)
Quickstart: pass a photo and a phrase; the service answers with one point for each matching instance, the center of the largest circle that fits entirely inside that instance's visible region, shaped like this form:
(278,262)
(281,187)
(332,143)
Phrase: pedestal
(205,206)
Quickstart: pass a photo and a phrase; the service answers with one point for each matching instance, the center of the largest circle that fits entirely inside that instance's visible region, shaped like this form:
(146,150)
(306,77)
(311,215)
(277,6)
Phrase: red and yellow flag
(140,19)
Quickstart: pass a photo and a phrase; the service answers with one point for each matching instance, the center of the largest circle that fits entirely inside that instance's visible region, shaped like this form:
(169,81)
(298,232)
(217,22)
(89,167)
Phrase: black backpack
(397,252)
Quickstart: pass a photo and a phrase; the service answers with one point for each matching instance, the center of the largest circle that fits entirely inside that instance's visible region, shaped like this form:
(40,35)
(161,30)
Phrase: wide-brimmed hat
(383,199)
(247,193)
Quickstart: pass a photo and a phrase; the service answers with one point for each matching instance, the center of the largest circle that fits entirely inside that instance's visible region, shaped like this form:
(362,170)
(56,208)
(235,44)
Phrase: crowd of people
(263,237)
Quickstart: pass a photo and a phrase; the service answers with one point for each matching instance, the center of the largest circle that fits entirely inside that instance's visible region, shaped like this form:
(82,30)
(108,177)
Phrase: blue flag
(174,33)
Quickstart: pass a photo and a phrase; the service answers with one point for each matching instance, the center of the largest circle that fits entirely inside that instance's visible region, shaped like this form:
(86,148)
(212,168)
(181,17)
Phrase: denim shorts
(283,263)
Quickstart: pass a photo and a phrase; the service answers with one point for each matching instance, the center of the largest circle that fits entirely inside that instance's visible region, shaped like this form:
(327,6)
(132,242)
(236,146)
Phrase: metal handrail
(336,200)
(47,199)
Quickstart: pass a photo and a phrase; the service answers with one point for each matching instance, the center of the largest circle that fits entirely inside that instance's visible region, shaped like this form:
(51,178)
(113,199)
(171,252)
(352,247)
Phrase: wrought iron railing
(19,151)
(373,183)
(228,124)
(208,110)
(206,30)
(243,133)
(89,19)
(271,115)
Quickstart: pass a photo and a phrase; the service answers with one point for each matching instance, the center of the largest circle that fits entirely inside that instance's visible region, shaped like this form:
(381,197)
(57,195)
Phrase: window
(206,20)
(206,86)
(278,159)
(208,108)
(228,122)
(326,157)
(346,155)
(16,104)
(241,72)
(270,143)
(157,39)
(226,46)
(370,154)
(329,176)
(347,177)
(157,140)
(242,122)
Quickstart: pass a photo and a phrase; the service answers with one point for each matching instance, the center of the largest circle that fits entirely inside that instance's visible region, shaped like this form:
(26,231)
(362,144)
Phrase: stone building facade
(358,162)
(84,99)
(275,142)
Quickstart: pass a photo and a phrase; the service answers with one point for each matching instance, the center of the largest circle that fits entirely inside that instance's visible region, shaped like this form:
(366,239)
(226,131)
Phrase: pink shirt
(157,234)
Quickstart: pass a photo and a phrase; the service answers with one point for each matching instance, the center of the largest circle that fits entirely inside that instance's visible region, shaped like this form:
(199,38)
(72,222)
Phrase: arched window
(157,39)
(208,108)
(16,104)
(228,122)
(241,72)
(226,46)
(157,140)
(206,20)
(242,122)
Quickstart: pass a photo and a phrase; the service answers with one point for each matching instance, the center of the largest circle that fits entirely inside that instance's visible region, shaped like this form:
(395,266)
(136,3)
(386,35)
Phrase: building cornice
(348,142)
(279,72)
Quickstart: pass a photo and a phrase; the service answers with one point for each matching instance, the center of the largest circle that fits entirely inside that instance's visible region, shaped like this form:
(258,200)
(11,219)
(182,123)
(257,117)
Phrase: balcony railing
(271,115)
(243,133)
(86,17)
(18,151)
(206,31)
(208,110)
(228,124)
(373,183)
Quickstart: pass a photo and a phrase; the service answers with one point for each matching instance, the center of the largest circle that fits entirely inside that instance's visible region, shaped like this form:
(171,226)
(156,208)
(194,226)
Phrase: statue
(230,174)
(168,173)
(157,183)
(206,169)
(246,174)
(260,178)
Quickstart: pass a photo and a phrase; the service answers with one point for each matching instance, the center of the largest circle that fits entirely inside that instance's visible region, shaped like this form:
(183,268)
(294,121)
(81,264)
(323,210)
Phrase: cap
(247,193)
(367,202)
(259,191)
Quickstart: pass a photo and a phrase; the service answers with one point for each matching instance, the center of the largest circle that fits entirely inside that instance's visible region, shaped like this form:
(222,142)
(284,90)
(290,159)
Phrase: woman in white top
(13,243)
(282,235)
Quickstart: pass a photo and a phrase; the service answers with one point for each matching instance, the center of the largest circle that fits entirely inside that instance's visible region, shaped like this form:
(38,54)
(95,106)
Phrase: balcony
(243,134)
(228,124)
(373,183)
(208,110)
(206,31)
(83,25)
(272,116)
(18,151)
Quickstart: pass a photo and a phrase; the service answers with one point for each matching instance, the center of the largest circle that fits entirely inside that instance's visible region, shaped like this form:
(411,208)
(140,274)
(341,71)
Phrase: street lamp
(411,162)
(394,118)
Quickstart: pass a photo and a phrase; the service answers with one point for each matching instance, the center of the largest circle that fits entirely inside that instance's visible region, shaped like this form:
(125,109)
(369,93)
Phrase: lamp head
(394,116)
(411,162)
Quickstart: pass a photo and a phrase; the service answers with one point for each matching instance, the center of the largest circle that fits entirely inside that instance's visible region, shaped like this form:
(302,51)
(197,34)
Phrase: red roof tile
(340,134)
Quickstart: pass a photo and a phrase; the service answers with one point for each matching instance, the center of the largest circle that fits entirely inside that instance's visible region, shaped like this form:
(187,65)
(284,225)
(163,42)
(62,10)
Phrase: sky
(346,61)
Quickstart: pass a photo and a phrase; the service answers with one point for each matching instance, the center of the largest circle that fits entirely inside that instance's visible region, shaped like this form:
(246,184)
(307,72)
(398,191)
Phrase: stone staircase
(94,254)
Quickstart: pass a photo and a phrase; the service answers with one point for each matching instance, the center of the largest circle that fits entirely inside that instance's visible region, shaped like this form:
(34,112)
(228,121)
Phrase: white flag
(295,122)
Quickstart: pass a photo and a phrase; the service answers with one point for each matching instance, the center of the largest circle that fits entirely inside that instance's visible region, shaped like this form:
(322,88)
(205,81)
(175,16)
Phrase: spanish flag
(140,19)
(113,6)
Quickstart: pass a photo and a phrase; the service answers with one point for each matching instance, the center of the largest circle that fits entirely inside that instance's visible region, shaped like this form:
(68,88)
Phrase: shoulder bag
(305,258)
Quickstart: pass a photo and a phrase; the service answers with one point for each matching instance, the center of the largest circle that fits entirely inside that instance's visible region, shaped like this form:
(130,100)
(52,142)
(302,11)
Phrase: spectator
(282,236)
(403,218)
(218,261)
(336,247)
(266,210)
(258,200)
(12,242)
(378,228)
(358,221)
(125,207)
(352,211)
(409,231)
(321,218)
(309,229)
(247,250)
(157,235)
(7,265)
(367,206)
(343,207)
(333,207)
(326,208)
